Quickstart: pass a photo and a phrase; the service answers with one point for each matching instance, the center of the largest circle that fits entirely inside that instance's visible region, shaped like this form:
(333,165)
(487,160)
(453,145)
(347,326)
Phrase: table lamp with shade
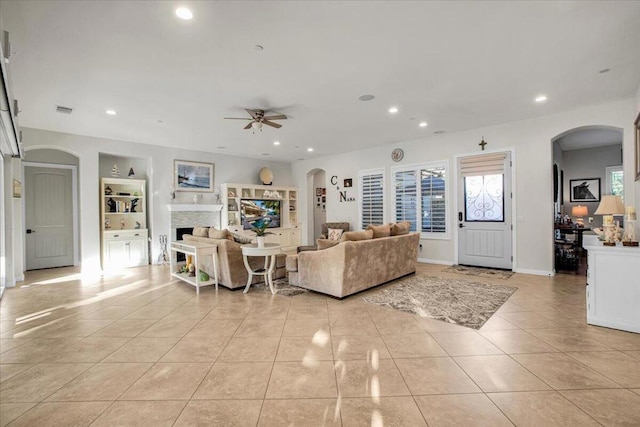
(609,206)
(579,212)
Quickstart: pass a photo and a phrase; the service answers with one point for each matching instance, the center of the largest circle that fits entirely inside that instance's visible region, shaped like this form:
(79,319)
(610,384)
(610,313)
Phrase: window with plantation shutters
(420,197)
(371,200)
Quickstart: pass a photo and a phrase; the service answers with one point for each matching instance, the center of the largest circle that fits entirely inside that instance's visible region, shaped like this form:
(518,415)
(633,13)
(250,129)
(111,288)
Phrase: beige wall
(533,186)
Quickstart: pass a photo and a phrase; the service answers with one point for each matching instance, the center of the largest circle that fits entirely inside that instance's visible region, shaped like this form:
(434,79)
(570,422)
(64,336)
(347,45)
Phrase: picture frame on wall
(584,190)
(193,176)
(348,183)
(637,145)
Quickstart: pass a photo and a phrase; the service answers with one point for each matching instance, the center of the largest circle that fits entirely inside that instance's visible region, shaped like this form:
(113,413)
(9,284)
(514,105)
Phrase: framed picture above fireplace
(193,176)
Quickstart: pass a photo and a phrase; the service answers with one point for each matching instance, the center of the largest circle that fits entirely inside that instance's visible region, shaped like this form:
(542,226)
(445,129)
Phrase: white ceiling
(457,65)
(589,138)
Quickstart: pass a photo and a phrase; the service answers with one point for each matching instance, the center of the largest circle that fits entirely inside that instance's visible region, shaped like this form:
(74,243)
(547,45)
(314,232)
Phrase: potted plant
(260,228)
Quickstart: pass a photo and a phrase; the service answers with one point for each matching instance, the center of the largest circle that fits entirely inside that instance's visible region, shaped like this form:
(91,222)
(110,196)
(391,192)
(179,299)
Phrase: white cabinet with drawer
(126,248)
(613,287)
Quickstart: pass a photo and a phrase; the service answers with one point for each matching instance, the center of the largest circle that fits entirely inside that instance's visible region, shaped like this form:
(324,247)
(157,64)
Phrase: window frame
(383,180)
(609,181)
(417,167)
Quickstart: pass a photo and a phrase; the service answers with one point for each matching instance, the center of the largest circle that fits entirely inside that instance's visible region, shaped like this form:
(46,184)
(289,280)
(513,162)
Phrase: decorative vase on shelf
(260,240)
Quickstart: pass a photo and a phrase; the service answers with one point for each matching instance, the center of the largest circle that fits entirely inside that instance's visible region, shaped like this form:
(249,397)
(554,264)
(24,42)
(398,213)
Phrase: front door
(48,217)
(484,211)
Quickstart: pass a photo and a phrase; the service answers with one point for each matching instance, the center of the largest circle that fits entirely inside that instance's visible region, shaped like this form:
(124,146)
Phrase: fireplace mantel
(192,207)
(192,214)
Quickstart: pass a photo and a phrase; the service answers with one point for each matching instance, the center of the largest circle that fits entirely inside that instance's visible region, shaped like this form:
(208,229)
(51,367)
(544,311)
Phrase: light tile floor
(139,348)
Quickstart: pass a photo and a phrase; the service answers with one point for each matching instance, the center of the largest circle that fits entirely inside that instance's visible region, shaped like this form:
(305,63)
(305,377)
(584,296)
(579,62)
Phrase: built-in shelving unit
(123,214)
(289,232)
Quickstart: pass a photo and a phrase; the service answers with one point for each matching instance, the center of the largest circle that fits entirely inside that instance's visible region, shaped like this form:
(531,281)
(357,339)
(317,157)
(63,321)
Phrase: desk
(568,229)
(197,250)
(269,252)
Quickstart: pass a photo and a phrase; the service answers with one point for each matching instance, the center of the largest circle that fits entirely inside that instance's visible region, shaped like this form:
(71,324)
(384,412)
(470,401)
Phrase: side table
(269,252)
(197,250)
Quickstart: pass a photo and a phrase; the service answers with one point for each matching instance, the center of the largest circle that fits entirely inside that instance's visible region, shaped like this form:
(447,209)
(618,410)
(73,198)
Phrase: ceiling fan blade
(252,113)
(276,117)
(272,124)
(248,126)
(238,118)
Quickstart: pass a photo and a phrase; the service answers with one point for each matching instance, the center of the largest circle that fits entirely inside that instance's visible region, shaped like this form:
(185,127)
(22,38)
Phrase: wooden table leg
(269,275)
(250,271)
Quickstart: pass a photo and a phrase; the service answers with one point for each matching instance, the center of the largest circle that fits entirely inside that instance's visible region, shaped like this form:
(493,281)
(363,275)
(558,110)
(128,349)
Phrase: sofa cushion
(219,234)
(354,236)
(239,238)
(326,243)
(335,234)
(200,232)
(400,228)
(380,230)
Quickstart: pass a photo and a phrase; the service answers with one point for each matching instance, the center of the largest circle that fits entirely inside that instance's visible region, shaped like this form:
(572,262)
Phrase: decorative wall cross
(483,143)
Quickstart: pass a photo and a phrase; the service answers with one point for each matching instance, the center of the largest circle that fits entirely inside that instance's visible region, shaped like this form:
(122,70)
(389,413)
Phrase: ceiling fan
(258,119)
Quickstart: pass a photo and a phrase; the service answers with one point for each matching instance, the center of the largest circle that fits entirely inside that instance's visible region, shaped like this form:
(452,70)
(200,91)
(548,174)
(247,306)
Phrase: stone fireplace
(186,216)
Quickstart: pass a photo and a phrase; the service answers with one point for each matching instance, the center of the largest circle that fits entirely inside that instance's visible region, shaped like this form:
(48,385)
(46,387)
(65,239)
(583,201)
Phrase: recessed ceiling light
(221,147)
(265,154)
(604,70)
(423,124)
(366,97)
(258,47)
(438,132)
(309,149)
(297,146)
(541,98)
(276,143)
(300,159)
(111,112)
(160,121)
(184,13)
(393,110)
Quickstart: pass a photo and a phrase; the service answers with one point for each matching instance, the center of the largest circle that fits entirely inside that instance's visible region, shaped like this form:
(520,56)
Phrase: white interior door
(484,211)
(48,217)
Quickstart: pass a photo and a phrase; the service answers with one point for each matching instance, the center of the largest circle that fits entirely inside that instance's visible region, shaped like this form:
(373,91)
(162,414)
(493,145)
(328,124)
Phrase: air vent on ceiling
(63,110)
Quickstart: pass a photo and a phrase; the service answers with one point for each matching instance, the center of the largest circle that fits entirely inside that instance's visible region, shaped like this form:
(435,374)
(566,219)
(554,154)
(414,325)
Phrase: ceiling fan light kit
(258,119)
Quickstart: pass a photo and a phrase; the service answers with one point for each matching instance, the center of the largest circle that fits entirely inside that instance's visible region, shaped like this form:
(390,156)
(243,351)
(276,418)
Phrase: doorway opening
(316,205)
(587,164)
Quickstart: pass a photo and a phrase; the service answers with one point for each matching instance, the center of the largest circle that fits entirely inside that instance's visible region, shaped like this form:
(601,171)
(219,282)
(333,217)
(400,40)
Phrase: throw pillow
(218,234)
(326,243)
(353,236)
(400,228)
(335,233)
(200,232)
(239,238)
(380,230)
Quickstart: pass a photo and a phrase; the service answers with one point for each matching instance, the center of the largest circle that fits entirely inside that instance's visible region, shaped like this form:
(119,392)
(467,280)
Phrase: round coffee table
(269,252)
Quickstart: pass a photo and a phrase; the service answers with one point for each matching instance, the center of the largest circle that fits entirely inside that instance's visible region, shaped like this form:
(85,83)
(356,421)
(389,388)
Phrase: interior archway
(316,207)
(587,164)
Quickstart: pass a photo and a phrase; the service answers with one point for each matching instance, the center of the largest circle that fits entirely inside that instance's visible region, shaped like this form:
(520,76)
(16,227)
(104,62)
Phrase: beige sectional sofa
(231,270)
(353,266)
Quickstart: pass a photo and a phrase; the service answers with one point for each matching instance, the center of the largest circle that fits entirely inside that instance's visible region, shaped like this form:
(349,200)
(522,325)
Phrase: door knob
(461,225)
(29,231)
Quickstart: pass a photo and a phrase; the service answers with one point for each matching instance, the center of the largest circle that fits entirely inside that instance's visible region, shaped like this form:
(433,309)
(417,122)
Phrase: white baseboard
(434,261)
(20,278)
(535,272)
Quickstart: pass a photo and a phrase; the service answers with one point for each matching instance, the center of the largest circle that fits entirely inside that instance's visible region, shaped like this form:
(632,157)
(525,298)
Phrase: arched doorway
(316,203)
(50,206)
(587,164)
